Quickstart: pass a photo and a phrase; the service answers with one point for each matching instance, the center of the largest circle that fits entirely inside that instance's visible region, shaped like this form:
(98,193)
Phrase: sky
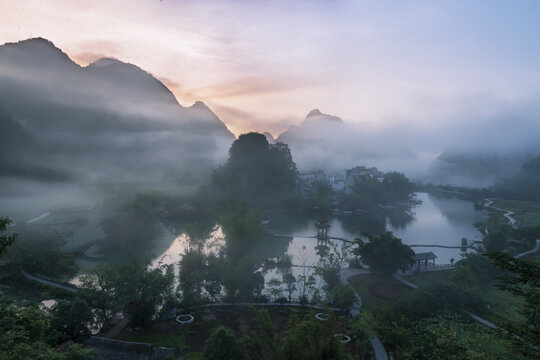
(263,65)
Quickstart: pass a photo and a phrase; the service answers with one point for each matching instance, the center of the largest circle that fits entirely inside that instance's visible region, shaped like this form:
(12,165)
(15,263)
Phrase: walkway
(482,321)
(533,250)
(376,344)
(507,213)
(67,287)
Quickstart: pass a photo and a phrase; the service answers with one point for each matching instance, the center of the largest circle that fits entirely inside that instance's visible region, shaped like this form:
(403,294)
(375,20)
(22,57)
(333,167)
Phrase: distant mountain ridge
(324,141)
(107,122)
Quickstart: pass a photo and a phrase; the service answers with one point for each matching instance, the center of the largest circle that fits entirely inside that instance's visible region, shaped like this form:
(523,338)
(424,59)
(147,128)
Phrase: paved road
(507,213)
(49,282)
(376,344)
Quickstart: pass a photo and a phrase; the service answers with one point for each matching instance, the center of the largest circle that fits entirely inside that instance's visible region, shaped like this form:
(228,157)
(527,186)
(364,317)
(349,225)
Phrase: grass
(424,276)
(378,289)
(526,213)
(502,305)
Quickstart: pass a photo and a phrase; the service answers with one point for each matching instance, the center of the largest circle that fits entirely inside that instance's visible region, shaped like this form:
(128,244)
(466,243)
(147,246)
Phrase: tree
(142,291)
(242,228)
(41,252)
(23,336)
(5,240)
(275,288)
(342,297)
(397,187)
(521,278)
(290,284)
(98,287)
(72,318)
(222,345)
(385,253)
(309,339)
(256,171)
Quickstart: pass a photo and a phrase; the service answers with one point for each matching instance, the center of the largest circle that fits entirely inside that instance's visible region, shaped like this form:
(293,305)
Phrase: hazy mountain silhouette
(323,141)
(107,122)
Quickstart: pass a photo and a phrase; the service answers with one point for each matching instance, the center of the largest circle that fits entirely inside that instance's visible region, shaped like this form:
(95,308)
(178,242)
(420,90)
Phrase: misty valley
(133,227)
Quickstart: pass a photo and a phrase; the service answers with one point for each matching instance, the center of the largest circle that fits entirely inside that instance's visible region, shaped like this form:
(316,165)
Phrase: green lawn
(502,304)
(421,277)
(526,213)
(377,289)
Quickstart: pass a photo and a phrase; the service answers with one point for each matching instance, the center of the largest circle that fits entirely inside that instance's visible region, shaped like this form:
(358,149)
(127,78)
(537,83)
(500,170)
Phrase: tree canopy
(385,253)
(256,170)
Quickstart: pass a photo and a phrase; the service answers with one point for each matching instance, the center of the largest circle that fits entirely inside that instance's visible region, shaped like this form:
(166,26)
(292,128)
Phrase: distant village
(341,181)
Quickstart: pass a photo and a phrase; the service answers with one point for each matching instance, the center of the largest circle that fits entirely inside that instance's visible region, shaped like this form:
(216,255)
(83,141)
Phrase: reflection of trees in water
(399,219)
(373,222)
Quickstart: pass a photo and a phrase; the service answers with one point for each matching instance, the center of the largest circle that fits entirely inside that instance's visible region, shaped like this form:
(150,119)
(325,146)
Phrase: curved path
(70,287)
(533,250)
(376,344)
(507,213)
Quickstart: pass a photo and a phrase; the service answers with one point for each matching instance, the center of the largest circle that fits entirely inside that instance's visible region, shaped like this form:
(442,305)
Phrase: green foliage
(131,287)
(98,287)
(23,336)
(290,284)
(71,318)
(5,240)
(444,335)
(242,228)
(322,195)
(222,345)
(521,278)
(256,171)
(41,253)
(310,339)
(397,187)
(191,276)
(384,253)
(367,193)
(142,291)
(342,297)
(433,296)
(480,268)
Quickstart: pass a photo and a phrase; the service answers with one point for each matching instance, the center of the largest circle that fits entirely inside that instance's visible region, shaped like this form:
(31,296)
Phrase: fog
(471,145)
(109,122)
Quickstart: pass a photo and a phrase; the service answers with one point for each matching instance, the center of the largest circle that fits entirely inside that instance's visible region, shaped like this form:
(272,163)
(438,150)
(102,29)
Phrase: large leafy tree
(72,318)
(256,170)
(23,336)
(384,253)
(142,290)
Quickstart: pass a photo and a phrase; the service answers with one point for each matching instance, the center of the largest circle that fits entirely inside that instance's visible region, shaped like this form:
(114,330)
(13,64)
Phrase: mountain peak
(200,105)
(314,112)
(105,62)
(317,115)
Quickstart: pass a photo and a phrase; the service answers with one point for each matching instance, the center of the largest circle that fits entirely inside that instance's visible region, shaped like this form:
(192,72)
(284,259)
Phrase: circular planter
(344,338)
(185,319)
(322,316)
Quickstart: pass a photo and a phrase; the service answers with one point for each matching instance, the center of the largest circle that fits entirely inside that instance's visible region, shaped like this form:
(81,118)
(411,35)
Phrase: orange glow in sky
(262,65)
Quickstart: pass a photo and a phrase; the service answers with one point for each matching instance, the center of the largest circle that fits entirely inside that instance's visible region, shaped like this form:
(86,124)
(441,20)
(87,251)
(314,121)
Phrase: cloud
(241,122)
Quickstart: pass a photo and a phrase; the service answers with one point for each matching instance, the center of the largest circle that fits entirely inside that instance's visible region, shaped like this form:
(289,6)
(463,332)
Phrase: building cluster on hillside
(341,181)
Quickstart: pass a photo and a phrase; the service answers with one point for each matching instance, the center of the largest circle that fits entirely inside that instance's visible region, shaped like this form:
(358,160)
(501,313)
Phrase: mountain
(474,168)
(323,141)
(523,185)
(269,137)
(107,122)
